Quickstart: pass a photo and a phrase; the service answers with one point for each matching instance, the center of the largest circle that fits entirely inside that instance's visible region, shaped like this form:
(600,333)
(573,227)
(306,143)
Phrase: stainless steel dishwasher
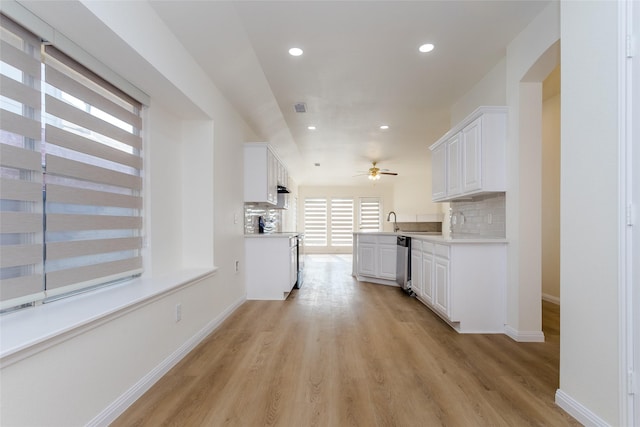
(403,264)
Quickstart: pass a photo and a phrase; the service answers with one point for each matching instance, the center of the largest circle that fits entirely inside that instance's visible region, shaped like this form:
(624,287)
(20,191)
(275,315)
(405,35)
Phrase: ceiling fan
(375,172)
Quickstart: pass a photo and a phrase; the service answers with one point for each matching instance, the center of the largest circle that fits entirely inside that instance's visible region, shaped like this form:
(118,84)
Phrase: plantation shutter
(315,222)
(93,178)
(370,213)
(21,206)
(341,222)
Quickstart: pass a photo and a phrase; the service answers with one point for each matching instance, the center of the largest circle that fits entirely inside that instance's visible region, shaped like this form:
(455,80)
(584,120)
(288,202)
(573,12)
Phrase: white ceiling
(361,68)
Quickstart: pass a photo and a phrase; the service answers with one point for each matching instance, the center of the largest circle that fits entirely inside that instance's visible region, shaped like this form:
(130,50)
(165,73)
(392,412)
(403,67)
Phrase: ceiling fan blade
(387,173)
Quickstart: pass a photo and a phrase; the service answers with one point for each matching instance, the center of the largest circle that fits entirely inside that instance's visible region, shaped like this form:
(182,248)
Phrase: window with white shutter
(315,222)
(341,222)
(370,214)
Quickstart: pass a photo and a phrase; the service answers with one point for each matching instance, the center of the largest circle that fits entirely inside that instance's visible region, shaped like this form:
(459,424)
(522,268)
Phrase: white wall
(412,194)
(490,90)
(589,321)
(385,192)
(193,190)
(551,190)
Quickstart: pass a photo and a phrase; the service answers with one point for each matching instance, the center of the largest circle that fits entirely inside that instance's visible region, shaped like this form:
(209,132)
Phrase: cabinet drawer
(367,238)
(427,247)
(388,240)
(442,251)
(416,244)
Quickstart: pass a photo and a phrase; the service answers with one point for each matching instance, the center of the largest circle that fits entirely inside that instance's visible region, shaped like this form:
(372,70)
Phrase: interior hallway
(340,352)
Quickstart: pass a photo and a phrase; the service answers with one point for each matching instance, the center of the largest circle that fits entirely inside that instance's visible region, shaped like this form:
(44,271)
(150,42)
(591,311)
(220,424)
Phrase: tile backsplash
(484,216)
(271,218)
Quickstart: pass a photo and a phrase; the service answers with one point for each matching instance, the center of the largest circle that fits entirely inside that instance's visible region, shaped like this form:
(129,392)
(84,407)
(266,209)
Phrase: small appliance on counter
(260,225)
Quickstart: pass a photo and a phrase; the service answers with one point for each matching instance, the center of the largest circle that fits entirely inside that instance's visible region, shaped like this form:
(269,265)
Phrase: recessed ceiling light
(295,51)
(428,47)
(384,127)
(311,127)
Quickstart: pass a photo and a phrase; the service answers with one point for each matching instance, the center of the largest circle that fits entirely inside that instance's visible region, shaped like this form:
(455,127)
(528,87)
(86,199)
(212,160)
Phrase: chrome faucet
(395,225)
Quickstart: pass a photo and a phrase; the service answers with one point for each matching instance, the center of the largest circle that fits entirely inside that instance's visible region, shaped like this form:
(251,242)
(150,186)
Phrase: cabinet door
(454,186)
(441,285)
(272,178)
(387,255)
(367,259)
(439,172)
(427,277)
(472,156)
(416,272)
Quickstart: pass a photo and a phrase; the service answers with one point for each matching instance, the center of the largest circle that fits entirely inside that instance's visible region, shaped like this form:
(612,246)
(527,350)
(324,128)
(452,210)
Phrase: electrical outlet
(237,266)
(178,312)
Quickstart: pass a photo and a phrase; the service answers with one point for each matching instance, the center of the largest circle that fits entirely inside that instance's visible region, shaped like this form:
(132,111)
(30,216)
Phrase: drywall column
(531,56)
(530,212)
(589,213)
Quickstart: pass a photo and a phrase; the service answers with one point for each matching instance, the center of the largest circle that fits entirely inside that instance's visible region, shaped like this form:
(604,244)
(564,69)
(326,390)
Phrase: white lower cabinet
(464,283)
(387,260)
(375,258)
(441,286)
(427,272)
(271,267)
(367,259)
(417,283)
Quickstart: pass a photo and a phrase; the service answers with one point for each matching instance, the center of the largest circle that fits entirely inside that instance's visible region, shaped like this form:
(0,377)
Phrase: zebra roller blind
(72,162)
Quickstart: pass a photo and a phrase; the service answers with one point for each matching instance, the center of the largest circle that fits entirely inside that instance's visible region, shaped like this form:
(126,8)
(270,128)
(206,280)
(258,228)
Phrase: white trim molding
(122,403)
(578,411)
(524,336)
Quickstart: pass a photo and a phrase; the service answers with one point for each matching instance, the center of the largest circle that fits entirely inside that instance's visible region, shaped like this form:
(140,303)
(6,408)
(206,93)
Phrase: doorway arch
(525,202)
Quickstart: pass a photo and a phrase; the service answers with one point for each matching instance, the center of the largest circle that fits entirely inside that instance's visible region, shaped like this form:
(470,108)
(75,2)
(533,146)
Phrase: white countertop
(438,238)
(272,235)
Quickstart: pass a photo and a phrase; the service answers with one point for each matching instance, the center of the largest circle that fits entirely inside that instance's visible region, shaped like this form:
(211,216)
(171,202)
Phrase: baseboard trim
(578,411)
(117,407)
(550,298)
(524,336)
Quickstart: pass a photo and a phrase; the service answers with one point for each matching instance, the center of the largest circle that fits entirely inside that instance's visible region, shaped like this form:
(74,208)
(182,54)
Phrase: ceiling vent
(300,107)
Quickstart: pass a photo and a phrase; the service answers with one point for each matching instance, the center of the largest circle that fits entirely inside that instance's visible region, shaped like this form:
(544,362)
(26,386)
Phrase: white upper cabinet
(439,172)
(263,172)
(470,159)
(453,166)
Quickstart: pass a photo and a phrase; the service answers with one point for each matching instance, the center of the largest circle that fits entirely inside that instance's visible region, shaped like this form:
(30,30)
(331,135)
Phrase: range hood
(282,189)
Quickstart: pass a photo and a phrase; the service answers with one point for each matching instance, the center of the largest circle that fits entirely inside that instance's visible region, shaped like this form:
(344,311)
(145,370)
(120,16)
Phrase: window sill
(31,330)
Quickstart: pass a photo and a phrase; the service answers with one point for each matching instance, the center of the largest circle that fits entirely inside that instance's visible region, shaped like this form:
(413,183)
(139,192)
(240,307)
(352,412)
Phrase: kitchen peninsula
(461,280)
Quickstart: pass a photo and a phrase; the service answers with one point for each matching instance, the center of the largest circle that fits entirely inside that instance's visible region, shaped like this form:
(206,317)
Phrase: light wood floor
(344,353)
